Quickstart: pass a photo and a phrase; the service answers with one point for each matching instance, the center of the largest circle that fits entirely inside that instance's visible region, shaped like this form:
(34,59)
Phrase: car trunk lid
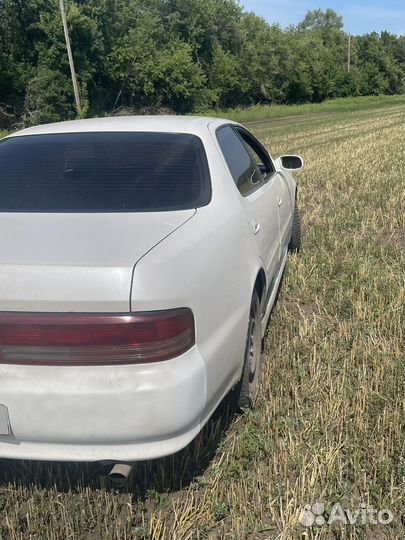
(76,262)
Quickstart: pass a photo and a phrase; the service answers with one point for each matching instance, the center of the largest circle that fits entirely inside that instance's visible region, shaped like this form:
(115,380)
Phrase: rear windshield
(103,172)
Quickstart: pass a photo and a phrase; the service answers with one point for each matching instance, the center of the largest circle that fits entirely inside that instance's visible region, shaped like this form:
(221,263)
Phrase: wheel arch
(260,287)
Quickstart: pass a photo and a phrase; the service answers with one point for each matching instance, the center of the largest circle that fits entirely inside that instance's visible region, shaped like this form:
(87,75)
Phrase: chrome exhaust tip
(120,473)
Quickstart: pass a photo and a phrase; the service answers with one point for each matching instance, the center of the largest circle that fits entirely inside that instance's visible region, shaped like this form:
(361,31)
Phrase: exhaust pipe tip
(120,473)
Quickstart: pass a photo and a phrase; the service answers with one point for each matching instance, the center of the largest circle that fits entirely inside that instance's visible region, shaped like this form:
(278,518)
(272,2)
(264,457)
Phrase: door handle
(255,226)
(279,201)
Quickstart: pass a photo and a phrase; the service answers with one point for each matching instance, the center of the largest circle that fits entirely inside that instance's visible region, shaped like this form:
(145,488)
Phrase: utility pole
(349,53)
(70,56)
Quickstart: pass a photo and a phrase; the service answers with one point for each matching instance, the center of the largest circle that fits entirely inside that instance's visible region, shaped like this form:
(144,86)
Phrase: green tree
(184,54)
(321,20)
(48,98)
(154,70)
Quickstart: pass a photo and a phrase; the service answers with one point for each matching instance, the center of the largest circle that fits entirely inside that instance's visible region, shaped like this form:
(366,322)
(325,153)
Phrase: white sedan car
(140,258)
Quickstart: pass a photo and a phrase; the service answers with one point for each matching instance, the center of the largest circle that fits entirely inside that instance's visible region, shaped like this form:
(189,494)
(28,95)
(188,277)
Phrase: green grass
(263,112)
(329,422)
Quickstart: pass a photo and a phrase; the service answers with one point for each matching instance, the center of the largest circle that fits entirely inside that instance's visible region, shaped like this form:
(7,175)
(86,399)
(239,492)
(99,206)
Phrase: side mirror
(291,163)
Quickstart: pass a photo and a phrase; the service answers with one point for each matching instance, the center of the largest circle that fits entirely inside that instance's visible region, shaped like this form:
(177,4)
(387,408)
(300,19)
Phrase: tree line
(180,55)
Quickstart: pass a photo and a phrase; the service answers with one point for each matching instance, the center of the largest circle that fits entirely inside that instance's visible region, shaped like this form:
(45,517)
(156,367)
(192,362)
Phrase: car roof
(166,124)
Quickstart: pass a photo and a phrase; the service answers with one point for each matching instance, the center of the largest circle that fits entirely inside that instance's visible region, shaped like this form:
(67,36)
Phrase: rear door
(257,196)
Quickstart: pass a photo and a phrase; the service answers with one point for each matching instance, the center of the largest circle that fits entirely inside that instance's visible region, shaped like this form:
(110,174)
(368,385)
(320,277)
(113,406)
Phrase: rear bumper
(123,413)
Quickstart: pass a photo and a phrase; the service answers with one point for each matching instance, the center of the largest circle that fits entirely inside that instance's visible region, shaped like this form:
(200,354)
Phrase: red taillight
(84,339)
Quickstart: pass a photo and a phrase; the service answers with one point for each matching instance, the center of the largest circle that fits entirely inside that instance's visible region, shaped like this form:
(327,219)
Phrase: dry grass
(328,425)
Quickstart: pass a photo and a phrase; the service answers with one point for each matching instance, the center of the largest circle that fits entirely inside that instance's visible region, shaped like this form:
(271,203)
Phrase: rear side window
(241,164)
(103,172)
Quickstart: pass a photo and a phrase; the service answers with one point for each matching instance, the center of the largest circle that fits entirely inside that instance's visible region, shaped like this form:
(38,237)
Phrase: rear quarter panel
(210,265)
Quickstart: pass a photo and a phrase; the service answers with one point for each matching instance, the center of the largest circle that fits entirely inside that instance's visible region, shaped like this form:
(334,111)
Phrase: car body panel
(214,279)
(90,413)
(81,262)
(262,214)
(285,204)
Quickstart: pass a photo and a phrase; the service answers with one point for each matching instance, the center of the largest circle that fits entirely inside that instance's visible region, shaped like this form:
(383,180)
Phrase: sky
(359,16)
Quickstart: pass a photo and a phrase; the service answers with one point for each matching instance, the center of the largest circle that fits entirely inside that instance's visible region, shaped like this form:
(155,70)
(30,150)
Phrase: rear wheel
(246,390)
(295,242)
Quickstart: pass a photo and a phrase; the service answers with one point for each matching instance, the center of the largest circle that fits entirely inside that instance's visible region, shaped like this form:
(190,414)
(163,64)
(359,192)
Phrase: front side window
(242,166)
(259,154)
(103,172)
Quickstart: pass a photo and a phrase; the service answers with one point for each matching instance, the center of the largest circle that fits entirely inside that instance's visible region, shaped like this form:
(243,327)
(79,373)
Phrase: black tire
(246,390)
(295,241)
